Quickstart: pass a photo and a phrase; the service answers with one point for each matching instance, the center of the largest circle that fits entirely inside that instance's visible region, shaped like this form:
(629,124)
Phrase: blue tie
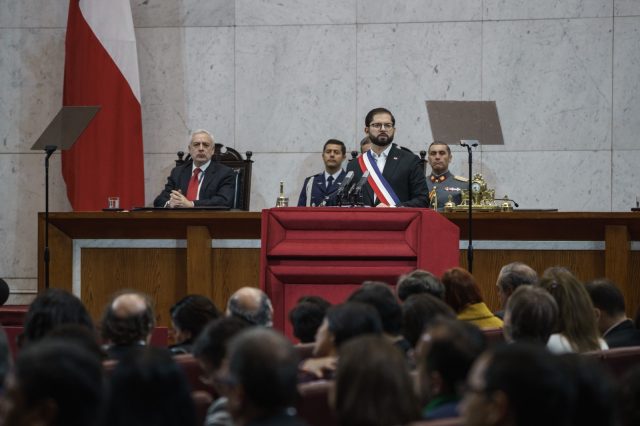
(329,182)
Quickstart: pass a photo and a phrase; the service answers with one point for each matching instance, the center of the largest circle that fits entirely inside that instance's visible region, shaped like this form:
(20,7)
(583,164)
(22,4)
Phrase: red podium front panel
(329,252)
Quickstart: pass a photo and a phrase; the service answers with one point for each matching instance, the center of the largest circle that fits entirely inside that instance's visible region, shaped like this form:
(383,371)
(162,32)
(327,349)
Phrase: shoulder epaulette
(461,178)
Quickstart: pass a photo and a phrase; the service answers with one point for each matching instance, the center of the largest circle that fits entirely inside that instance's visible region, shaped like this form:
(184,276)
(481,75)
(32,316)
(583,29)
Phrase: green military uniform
(444,185)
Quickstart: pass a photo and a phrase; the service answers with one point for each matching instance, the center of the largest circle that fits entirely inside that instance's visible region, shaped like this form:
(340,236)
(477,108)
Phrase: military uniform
(444,185)
(319,190)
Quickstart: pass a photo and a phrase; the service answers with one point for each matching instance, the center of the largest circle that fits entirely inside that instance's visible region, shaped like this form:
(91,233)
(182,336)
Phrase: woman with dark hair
(577,327)
(189,316)
(463,295)
(373,384)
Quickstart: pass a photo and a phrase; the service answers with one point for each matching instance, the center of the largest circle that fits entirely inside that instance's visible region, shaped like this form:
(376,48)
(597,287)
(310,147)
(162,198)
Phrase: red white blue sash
(378,183)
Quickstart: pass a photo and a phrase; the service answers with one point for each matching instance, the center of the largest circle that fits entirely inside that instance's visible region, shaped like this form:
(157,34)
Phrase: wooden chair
(242,168)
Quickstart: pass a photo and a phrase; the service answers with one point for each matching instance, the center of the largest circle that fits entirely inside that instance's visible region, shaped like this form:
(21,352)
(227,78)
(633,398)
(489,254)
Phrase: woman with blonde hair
(577,327)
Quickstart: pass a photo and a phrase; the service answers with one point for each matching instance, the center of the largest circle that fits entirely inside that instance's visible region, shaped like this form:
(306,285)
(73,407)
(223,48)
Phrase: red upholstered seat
(618,360)
(313,405)
(494,336)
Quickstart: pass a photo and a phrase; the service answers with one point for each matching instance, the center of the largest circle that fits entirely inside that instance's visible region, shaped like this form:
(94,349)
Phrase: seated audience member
(617,330)
(445,355)
(418,282)
(517,385)
(262,379)
(530,315)
(373,385)
(629,398)
(307,316)
(420,310)
(127,323)
(381,297)
(54,383)
(147,387)
(79,335)
(342,323)
(200,182)
(188,317)
(211,352)
(322,187)
(577,329)
(463,295)
(252,305)
(512,276)
(51,309)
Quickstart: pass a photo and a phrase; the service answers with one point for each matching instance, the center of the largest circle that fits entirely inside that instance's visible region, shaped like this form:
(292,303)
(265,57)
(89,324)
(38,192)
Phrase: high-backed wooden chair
(242,167)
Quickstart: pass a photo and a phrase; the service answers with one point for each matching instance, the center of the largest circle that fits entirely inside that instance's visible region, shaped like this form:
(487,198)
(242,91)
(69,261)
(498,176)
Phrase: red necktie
(192,191)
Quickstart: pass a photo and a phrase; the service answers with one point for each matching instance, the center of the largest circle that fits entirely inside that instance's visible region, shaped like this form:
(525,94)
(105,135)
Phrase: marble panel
(183,13)
(31,76)
(626,7)
(626,85)
(625,190)
(295,87)
(32,14)
(566,180)
(157,168)
(23,290)
(384,11)
(546,9)
(295,12)
(551,81)
(210,81)
(402,66)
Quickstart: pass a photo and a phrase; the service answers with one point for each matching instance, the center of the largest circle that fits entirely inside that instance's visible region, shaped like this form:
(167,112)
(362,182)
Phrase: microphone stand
(469,144)
(49,150)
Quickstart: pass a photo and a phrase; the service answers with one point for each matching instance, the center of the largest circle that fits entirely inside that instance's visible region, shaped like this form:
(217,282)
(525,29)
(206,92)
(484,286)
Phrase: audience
(307,316)
(188,317)
(419,282)
(577,329)
(420,310)
(463,295)
(531,315)
(127,323)
(616,329)
(373,385)
(629,398)
(510,277)
(252,305)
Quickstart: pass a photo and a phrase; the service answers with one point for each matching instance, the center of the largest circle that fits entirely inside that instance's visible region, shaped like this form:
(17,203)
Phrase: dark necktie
(192,191)
(329,182)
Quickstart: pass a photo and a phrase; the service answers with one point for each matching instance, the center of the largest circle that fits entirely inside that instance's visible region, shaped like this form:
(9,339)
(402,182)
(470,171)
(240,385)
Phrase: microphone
(344,185)
(357,188)
(507,199)
(469,142)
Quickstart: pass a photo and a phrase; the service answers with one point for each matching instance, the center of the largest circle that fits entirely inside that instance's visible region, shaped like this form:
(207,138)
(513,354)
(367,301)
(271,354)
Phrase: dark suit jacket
(217,187)
(405,175)
(623,334)
(319,189)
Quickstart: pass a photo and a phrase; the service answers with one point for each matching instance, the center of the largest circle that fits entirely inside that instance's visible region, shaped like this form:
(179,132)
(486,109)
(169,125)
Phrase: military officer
(324,184)
(441,182)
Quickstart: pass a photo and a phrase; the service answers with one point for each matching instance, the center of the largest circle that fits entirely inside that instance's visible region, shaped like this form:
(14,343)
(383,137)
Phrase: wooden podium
(329,252)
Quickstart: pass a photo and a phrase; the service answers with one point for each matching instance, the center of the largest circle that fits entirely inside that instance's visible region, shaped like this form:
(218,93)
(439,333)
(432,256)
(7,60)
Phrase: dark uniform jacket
(319,189)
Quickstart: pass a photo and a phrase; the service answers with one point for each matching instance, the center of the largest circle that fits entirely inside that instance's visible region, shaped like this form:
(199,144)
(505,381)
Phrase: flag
(101,68)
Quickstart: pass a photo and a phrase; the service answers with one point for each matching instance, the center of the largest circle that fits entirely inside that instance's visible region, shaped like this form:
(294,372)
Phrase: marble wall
(279,78)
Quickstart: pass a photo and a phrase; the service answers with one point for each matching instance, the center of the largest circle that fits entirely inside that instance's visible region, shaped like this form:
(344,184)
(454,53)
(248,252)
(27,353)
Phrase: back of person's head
(211,345)
(306,318)
(519,384)
(515,274)
(352,319)
(252,305)
(192,313)
(418,282)
(4,291)
(446,353)
(576,319)
(50,309)
(418,311)
(147,387)
(606,296)
(381,297)
(373,385)
(54,383)
(461,289)
(531,315)
(128,319)
(265,365)
(629,397)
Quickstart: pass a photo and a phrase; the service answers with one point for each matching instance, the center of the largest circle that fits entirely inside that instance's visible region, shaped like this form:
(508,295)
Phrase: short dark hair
(211,345)
(606,296)
(533,314)
(439,143)
(381,297)
(419,281)
(343,148)
(306,318)
(461,289)
(352,319)
(515,274)
(369,117)
(192,313)
(130,329)
(418,311)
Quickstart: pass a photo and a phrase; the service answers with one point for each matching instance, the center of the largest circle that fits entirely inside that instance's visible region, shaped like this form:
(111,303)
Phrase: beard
(387,139)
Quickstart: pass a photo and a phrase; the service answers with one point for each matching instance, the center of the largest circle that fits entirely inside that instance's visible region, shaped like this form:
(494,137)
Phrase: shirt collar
(202,168)
(384,153)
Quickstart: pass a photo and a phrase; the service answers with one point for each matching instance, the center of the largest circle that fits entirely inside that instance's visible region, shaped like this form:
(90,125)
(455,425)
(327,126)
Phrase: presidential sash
(378,183)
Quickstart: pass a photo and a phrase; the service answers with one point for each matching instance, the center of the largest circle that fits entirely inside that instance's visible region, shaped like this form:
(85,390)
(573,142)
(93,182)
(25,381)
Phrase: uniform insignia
(452,189)
(437,179)
(461,178)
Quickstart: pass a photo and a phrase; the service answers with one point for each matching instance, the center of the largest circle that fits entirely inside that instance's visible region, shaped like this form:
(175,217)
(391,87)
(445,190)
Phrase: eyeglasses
(379,126)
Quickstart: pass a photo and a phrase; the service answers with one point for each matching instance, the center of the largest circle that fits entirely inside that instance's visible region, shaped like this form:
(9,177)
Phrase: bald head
(128,304)
(129,319)
(252,305)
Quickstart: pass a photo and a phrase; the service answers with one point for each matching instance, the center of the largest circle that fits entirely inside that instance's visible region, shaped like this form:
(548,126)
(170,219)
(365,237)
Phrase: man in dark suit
(201,182)
(323,185)
(402,182)
(617,330)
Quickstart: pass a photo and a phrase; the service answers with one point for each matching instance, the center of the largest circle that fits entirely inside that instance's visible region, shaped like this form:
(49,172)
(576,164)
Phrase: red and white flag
(101,68)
